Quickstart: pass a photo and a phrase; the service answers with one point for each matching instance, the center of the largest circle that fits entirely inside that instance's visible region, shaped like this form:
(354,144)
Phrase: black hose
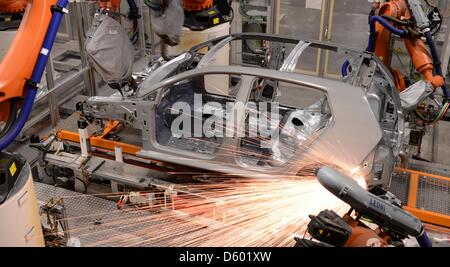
(436,60)
(135,36)
(398,21)
(11,119)
(224,7)
(132,4)
(133,15)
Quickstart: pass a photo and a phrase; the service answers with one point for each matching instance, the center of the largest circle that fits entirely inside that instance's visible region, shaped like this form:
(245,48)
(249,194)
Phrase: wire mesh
(434,195)
(400,185)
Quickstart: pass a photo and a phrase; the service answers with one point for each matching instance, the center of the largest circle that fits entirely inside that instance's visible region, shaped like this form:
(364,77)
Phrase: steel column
(445,55)
(141,29)
(89,79)
(52,102)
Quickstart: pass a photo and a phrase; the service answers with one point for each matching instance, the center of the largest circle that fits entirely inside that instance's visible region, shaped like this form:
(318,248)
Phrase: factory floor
(97,222)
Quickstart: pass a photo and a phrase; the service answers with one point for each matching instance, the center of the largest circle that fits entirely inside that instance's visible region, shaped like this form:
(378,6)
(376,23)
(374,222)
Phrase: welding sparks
(225,211)
(246,212)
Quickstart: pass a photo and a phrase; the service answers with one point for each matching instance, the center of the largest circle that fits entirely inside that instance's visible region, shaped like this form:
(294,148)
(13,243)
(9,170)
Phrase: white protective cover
(415,94)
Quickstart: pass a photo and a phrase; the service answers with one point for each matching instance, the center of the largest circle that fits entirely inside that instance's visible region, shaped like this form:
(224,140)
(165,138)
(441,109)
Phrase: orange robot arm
(12,6)
(110,4)
(420,56)
(17,65)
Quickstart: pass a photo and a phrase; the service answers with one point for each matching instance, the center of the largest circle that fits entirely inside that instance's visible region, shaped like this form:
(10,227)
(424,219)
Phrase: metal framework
(437,218)
(68,84)
(138,111)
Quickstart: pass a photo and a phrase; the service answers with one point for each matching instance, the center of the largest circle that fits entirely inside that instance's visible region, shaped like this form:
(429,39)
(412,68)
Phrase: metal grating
(400,185)
(433,195)
(431,168)
(97,222)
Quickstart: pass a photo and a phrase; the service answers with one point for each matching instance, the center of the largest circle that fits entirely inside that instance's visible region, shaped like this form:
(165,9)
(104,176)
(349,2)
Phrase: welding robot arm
(12,6)
(22,67)
(380,211)
(175,10)
(109,4)
(407,19)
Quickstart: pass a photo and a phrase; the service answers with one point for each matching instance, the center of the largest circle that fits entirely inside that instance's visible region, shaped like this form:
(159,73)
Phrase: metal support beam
(66,84)
(425,215)
(52,102)
(435,144)
(141,27)
(275,17)
(40,116)
(89,78)
(152,33)
(413,188)
(119,158)
(325,34)
(443,5)
(430,217)
(68,24)
(100,142)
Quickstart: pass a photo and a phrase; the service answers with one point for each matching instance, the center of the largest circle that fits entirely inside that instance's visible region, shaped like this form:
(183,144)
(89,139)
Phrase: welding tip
(335,181)
(374,207)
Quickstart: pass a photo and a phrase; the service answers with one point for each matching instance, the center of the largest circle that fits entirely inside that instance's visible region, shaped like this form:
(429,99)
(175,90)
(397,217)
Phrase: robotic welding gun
(394,223)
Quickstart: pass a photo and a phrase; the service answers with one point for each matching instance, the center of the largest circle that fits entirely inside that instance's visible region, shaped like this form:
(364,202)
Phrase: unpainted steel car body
(355,123)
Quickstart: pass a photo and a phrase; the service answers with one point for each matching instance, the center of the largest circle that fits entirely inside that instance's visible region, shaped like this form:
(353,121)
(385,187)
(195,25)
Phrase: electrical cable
(387,25)
(133,15)
(33,84)
(401,22)
(436,61)
(437,118)
(344,68)
(231,15)
(371,46)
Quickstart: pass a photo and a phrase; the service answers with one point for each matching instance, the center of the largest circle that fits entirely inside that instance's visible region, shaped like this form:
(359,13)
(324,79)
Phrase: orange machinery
(110,4)
(189,5)
(197,5)
(398,13)
(12,6)
(17,65)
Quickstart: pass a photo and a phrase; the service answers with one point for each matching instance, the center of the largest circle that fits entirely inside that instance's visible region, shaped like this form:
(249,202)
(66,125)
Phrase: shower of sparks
(224,212)
(255,213)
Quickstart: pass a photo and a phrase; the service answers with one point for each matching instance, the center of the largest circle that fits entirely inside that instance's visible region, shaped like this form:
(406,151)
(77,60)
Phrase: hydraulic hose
(344,68)
(436,60)
(32,84)
(387,25)
(372,38)
(134,16)
(398,21)
(423,240)
(132,5)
